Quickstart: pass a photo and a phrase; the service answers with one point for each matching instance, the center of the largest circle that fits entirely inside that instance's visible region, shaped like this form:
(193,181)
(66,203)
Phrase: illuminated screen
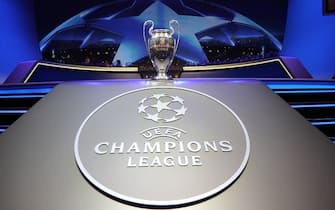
(109,33)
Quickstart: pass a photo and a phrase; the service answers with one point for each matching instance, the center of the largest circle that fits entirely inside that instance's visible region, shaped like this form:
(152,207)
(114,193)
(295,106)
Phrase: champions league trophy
(161,47)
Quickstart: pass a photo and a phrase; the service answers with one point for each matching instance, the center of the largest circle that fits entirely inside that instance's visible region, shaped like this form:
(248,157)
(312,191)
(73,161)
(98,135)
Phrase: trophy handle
(171,22)
(150,32)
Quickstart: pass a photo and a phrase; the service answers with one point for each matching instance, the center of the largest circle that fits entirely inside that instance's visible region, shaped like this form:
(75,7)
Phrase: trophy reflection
(161,47)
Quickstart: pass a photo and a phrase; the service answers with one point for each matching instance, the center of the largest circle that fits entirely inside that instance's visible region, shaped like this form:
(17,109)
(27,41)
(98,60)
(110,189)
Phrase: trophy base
(162,76)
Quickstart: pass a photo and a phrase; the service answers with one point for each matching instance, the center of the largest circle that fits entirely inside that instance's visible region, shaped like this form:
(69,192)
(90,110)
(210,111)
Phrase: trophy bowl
(161,47)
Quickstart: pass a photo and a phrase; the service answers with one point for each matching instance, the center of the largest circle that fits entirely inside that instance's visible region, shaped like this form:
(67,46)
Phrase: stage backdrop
(107,33)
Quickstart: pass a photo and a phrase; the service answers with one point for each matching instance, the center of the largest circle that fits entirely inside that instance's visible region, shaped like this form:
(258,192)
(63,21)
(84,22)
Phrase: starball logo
(162,108)
(162,136)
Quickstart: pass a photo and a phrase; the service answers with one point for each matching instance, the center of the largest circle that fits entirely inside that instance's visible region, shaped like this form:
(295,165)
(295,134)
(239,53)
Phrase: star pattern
(158,108)
(125,25)
(129,28)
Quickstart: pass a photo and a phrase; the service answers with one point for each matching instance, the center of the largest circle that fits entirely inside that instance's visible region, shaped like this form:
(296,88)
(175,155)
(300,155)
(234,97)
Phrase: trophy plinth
(161,47)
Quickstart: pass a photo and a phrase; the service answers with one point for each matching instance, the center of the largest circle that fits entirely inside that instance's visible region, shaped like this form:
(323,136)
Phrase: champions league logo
(162,136)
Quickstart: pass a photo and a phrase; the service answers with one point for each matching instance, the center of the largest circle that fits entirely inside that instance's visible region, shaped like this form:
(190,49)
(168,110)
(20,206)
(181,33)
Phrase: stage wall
(18,40)
(310,36)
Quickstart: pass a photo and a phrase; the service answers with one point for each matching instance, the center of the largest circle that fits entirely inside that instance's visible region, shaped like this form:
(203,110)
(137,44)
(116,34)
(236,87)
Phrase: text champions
(162,154)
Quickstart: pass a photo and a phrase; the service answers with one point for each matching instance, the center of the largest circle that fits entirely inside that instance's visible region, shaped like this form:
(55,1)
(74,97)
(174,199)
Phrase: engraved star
(181,111)
(161,106)
(171,119)
(141,108)
(153,117)
(157,96)
(143,100)
(177,99)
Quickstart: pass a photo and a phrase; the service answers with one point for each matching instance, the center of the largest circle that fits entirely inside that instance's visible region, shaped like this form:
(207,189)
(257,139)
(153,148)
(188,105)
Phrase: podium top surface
(246,147)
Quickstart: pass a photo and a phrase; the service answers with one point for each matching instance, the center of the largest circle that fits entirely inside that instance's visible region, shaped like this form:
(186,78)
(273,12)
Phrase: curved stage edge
(39,71)
(285,76)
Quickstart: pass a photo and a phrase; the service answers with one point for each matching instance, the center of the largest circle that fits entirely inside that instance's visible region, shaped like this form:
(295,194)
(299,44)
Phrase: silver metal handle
(150,32)
(171,22)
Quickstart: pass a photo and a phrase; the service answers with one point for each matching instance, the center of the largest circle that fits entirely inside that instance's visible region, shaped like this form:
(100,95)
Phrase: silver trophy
(161,47)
